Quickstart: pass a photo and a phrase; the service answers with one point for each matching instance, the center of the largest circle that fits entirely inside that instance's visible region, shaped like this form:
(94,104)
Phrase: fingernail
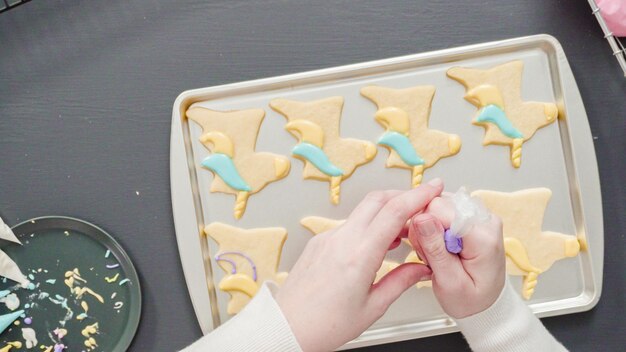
(427,228)
(435,182)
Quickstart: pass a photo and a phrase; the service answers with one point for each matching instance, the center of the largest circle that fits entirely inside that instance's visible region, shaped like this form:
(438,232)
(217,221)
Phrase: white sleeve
(260,326)
(508,325)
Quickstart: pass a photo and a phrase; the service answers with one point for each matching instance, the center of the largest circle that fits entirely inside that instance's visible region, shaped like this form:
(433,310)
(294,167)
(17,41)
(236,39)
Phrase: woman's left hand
(329,297)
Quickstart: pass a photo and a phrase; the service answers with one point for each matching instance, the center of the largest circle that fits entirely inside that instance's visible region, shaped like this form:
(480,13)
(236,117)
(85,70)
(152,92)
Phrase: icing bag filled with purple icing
(468,212)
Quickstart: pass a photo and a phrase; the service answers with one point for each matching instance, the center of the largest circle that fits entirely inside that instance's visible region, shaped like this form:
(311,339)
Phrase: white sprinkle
(113,295)
(30,337)
(137,192)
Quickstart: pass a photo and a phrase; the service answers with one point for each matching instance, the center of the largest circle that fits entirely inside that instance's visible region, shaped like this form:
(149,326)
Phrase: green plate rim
(103,237)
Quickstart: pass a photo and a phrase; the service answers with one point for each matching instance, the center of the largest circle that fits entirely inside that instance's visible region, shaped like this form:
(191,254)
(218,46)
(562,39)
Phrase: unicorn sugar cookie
(239,169)
(248,257)
(529,250)
(404,113)
(507,119)
(326,156)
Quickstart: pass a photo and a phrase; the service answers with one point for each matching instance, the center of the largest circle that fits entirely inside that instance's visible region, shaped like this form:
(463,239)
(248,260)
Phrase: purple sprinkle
(112,266)
(454,244)
(28,321)
(59,347)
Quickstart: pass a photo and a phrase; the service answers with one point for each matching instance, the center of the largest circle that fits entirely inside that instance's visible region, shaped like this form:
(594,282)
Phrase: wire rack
(6,5)
(616,45)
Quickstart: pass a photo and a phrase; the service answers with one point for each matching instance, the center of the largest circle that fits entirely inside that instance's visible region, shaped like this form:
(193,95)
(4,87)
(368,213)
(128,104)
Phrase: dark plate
(54,245)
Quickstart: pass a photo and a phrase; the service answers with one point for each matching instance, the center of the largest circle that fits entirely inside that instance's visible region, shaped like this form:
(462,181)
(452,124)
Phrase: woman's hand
(329,297)
(467,283)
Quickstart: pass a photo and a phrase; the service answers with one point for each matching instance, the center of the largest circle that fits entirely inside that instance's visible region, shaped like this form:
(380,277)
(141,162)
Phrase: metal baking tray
(560,157)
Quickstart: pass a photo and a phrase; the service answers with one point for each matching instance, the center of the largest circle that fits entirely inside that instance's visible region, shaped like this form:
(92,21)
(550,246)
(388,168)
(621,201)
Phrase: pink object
(614,14)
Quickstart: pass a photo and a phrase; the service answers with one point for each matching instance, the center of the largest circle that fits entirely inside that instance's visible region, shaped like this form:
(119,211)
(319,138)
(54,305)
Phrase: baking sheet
(549,159)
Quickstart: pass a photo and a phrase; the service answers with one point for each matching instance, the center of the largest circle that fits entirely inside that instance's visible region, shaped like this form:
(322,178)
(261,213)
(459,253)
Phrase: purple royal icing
(234,270)
(454,244)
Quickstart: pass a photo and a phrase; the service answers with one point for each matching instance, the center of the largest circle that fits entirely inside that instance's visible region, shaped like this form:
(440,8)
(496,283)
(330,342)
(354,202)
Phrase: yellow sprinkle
(90,330)
(112,279)
(17,322)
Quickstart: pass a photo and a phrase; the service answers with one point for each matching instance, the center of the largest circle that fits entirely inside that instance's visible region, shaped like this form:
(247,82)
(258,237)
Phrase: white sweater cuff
(508,325)
(260,326)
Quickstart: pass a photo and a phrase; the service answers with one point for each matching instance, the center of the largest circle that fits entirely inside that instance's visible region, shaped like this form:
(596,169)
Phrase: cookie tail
(240,204)
(417,174)
(335,188)
(516,152)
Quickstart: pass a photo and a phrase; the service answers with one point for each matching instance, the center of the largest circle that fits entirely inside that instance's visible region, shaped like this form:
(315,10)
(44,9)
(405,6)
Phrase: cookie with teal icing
(326,155)
(507,119)
(239,169)
(405,113)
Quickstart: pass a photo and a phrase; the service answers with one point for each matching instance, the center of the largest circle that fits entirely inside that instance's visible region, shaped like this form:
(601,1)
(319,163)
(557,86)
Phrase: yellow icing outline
(241,283)
(221,143)
(393,119)
(306,131)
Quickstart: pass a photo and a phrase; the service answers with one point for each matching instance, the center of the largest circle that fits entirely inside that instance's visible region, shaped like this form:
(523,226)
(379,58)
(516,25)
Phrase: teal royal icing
(317,157)
(224,167)
(493,114)
(402,145)
(7,319)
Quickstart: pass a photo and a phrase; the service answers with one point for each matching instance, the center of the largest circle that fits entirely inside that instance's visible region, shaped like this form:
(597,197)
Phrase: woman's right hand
(467,283)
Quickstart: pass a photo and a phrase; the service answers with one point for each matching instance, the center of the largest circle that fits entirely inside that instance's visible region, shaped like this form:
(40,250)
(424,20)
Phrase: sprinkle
(108,253)
(30,276)
(118,305)
(28,321)
(112,279)
(27,306)
(112,266)
(17,322)
(113,295)
(66,233)
(51,281)
(123,282)
(60,333)
(31,286)
(39,270)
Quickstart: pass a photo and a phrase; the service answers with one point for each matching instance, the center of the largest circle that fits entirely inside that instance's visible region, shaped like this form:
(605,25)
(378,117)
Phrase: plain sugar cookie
(238,168)
(326,156)
(529,250)
(507,119)
(404,113)
(248,258)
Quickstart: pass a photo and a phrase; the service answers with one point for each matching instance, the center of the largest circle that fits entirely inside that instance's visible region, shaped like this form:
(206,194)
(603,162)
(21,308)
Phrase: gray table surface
(87,87)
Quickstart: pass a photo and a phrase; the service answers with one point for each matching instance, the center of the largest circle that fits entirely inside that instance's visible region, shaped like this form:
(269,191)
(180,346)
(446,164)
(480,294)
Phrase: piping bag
(468,212)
